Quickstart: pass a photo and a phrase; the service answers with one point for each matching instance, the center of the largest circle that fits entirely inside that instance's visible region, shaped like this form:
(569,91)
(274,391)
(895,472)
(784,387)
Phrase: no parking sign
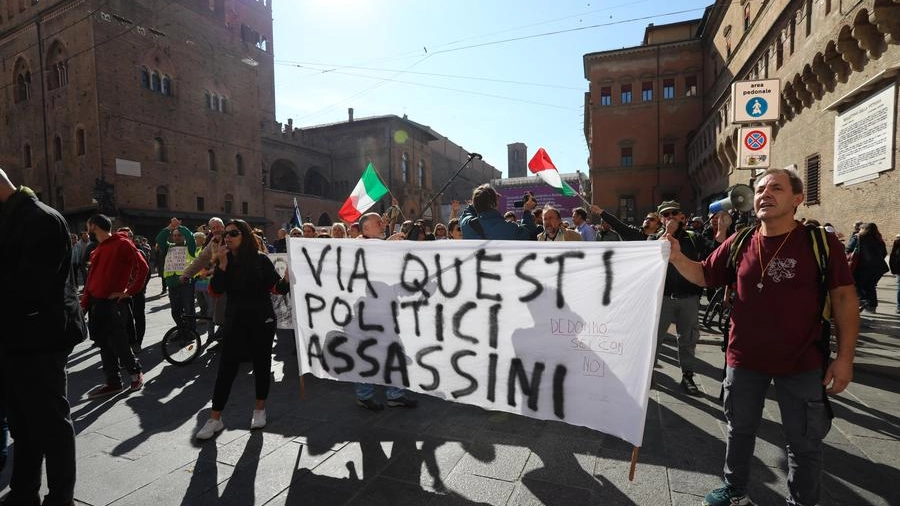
(754,150)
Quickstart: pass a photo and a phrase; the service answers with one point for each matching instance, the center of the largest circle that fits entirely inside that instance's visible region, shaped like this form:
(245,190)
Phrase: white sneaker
(210,428)
(259,419)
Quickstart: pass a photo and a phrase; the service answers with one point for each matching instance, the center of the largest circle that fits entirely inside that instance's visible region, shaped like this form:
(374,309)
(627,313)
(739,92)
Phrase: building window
(57,148)
(765,64)
(626,208)
(809,14)
(668,154)
(627,157)
(606,95)
(201,203)
(827,6)
(626,93)
(668,89)
(690,86)
(26,156)
(747,16)
(812,180)
(208,99)
(404,168)
(211,160)
(159,150)
(779,54)
(154,81)
(215,102)
(239,164)
(162,197)
(222,104)
(166,88)
(145,78)
(229,203)
(23,81)
(245,208)
(647,91)
(79,141)
(421,173)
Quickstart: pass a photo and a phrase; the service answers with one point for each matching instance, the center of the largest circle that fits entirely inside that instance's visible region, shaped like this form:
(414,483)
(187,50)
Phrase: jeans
(181,302)
(682,311)
(366,391)
(41,426)
(805,420)
(109,321)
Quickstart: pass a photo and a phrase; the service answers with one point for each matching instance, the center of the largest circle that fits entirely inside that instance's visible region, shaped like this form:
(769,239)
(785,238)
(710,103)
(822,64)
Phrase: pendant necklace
(762,274)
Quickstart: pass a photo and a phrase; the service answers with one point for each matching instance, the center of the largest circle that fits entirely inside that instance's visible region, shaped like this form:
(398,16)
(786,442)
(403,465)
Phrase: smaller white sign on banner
(176,259)
(281,303)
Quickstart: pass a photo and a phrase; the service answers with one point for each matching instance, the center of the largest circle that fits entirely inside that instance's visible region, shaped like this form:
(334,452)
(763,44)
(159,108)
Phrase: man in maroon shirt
(118,270)
(775,334)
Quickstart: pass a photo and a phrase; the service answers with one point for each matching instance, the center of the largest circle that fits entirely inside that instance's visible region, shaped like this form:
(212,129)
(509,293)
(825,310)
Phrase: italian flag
(541,165)
(368,190)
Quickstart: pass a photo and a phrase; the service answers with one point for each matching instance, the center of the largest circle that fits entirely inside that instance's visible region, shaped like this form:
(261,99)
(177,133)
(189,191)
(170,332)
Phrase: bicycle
(181,344)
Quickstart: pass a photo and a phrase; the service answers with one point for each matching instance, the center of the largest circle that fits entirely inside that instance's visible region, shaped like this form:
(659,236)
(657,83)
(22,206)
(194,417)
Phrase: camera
(525,198)
(414,231)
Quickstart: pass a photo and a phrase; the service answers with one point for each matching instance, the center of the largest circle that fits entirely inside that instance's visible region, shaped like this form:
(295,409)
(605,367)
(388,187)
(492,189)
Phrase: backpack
(76,330)
(821,251)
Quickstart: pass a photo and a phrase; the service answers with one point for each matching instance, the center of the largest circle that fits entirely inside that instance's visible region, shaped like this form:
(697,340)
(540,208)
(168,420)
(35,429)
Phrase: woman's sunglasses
(233,233)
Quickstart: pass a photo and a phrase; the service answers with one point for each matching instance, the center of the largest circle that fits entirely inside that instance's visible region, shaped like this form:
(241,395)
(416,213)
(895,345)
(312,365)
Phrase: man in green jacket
(178,247)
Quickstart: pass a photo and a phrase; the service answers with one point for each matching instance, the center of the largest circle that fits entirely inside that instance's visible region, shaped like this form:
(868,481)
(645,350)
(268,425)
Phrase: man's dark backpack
(76,330)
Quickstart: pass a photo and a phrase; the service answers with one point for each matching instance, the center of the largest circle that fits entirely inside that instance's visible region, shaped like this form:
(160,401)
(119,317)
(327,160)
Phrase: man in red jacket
(117,271)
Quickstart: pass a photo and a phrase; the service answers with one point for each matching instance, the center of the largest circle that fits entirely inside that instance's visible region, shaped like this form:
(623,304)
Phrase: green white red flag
(542,166)
(368,190)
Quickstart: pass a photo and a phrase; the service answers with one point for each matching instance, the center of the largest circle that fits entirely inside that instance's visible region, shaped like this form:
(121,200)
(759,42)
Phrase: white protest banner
(550,330)
(281,303)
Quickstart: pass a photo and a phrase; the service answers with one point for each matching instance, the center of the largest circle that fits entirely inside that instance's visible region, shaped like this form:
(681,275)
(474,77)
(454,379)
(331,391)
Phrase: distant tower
(517,153)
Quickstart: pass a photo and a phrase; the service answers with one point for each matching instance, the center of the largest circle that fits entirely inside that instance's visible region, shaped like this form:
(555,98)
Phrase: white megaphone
(740,197)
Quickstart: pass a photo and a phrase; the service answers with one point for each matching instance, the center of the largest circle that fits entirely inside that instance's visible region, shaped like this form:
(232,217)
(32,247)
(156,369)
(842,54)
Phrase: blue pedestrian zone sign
(757,107)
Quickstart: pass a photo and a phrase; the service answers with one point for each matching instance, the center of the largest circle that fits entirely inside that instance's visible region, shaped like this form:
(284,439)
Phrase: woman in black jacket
(871,266)
(249,278)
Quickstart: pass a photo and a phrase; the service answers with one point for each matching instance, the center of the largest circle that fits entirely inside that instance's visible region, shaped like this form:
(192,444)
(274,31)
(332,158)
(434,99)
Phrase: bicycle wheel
(711,313)
(180,346)
(725,321)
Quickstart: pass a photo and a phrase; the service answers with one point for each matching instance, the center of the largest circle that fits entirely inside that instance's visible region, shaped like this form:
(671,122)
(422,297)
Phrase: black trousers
(244,336)
(110,321)
(138,304)
(41,426)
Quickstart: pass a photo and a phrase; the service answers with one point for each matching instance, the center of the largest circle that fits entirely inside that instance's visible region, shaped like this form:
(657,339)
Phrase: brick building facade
(830,57)
(151,109)
(140,110)
(642,105)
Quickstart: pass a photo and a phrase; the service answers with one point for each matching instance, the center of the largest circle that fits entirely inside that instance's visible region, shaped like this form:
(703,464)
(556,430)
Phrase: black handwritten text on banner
(559,331)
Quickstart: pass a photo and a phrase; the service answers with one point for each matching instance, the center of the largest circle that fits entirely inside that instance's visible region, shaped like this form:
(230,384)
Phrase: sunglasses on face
(650,218)
(668,214)
(233,233)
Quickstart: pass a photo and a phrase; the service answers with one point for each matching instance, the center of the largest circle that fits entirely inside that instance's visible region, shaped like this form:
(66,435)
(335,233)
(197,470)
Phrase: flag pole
(437,194)
(393,197)
(634,457)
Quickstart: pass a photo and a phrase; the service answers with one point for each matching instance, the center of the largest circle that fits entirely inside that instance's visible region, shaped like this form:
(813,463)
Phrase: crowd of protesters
(221,268)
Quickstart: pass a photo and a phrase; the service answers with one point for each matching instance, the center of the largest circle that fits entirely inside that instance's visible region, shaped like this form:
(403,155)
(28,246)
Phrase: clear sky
(484,73)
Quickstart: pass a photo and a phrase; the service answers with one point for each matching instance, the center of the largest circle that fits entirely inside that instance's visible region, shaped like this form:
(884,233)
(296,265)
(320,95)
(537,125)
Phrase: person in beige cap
(681,298)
